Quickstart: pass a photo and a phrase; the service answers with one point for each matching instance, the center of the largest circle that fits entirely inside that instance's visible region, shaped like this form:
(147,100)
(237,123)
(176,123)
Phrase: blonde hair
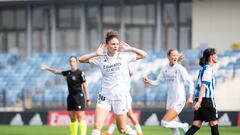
(180,55)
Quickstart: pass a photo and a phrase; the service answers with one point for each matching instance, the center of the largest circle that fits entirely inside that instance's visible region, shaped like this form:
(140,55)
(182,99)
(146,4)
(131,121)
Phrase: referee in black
(76,97)
(205,108)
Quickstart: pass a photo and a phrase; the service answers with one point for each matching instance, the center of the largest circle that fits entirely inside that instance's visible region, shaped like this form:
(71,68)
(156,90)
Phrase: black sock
(192,130)
(214,130)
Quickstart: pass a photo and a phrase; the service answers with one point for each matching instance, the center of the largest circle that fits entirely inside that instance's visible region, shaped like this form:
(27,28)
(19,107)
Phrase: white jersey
(176,77)
(115,72)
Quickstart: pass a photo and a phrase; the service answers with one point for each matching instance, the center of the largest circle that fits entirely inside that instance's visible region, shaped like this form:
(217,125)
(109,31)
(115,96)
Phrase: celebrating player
(115,82)
(176,77)
(76,98)
(205,108)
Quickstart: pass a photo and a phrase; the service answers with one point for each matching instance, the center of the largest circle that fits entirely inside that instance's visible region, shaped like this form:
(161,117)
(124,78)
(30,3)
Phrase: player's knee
(97,125)
(164,123)
(213,123)
(122,130)
(80,118)
(197,123)
(73,119)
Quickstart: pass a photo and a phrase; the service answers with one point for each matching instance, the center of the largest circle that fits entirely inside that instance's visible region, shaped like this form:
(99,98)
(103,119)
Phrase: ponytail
(202,61)
(206,54)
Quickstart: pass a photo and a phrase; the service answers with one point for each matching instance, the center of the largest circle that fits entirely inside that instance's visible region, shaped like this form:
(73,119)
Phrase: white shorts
(118,107)
(177,106)
(129,99)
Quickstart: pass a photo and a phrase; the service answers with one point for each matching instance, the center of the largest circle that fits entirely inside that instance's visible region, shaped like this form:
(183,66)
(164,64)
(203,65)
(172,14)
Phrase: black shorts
(76,102)
(207,112)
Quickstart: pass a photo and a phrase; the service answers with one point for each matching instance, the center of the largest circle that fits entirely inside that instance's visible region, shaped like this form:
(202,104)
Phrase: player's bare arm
(53,70)
(198,103)
(85,87)
(87,57)
(140,53)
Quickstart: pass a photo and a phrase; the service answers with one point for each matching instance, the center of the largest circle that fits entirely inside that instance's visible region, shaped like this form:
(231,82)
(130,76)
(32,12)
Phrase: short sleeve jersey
(115,73)
(74,80)
(206,76)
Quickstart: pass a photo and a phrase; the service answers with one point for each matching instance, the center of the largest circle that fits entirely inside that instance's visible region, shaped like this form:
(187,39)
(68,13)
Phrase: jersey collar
(114,57)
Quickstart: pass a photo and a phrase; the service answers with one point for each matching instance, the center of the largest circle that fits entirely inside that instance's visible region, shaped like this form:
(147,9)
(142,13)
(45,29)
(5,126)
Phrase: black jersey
(74,80)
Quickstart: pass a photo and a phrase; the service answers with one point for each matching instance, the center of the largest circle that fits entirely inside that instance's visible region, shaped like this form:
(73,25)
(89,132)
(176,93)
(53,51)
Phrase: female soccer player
(176,77)
(76,98)
(115,82)
(205,108)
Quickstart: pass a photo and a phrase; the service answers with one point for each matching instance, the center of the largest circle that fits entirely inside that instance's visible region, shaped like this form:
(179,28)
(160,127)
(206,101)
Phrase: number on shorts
(101,98)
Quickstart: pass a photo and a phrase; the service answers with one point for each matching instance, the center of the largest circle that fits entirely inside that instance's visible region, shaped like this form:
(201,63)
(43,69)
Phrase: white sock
(138,128)
(175,131)
(172,124)
(130,131)
(111,128)
(95,132)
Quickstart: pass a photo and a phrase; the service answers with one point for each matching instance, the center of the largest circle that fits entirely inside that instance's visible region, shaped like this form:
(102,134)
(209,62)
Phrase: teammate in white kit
(115,82)
(176,77)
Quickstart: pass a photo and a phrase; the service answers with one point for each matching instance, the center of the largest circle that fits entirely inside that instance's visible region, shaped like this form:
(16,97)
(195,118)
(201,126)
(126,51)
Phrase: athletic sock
(130,131)
(95,132)
(73,128)
(192,130)
(214,130)
(111,128)
(82,127)
(138,128)
(175,131)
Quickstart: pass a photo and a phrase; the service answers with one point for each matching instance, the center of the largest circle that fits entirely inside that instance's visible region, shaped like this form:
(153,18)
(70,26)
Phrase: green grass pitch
(148,130)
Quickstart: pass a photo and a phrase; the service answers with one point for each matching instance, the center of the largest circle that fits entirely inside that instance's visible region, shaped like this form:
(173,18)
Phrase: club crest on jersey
(73,77)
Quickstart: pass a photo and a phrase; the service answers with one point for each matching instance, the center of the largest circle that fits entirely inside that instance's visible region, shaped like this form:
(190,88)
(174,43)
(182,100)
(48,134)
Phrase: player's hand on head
(124,46)
(100,50)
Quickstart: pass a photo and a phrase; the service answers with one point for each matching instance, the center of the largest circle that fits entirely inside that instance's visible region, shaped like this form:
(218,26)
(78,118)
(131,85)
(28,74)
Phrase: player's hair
(75,57)
(206,54)
(170,51)
(180,56)
(110,35)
